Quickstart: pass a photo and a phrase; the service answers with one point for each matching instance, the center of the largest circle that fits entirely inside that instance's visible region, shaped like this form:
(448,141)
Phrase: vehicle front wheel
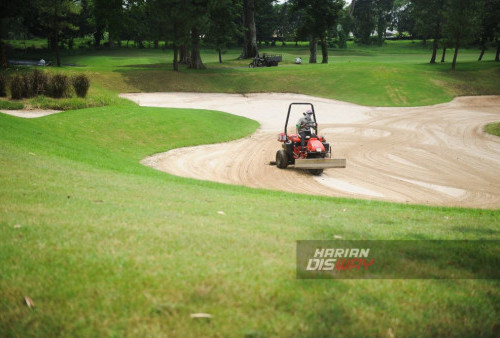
(281,159)
(316,172)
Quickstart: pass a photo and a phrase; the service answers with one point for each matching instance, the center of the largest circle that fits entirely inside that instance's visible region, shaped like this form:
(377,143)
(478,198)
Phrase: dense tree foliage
(318,17)
(186,25)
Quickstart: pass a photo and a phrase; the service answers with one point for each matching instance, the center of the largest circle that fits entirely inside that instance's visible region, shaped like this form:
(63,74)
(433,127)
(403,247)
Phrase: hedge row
(40,83)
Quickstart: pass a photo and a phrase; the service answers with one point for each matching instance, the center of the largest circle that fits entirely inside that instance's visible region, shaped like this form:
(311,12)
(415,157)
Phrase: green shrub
(3,85)
(81,83)
(27,90)
(16,87)
(58,86)
(40,82)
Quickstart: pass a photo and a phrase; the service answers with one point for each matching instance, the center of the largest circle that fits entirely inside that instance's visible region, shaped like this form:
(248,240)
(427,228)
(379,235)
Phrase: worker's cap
(309,112)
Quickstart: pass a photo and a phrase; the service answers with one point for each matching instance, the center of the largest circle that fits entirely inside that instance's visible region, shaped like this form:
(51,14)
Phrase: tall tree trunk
(182,51)
(111,40)
(156,44)
(457,47)
(250,49)
(55,27)
(483,48)
(497,57)
(313,46)
(196,62)
(176,54)
(381,26)
(443,57)
(184,57)
(220,55)
(324,51)
(97,38)
(437,34)
(3,58)
(58,55)
(434,50)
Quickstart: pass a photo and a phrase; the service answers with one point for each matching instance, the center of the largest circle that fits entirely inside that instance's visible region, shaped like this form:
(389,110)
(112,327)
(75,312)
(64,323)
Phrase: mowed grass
(107,247)
(397,74)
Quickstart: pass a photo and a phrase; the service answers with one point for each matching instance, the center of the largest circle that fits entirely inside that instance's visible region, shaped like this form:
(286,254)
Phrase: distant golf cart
(265,61)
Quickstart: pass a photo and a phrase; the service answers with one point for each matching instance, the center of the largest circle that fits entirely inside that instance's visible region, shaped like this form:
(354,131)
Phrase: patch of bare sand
(29,114)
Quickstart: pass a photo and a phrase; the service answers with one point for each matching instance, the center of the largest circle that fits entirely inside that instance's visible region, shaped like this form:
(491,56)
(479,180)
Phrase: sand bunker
(437,155)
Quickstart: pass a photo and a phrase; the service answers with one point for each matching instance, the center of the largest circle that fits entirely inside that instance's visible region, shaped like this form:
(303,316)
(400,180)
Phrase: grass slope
(397,74)
(106,246)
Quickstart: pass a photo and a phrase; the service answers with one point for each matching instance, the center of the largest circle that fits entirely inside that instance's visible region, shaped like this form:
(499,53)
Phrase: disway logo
(340,259)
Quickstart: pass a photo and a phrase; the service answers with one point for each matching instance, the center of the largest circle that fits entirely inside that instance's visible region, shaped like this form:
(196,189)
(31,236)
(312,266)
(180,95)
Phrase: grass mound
(493,128)
(397,74)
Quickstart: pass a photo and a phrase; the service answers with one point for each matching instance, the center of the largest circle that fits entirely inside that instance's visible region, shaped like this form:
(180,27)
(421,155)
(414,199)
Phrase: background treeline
(184,25)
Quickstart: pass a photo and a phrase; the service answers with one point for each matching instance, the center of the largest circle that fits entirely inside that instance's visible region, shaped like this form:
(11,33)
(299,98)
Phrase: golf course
(102,245)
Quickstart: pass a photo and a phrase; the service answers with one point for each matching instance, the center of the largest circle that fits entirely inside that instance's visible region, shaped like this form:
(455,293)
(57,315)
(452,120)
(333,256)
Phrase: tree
(223,28)
(158,24)
(55,17)
(318,17)
(344,27)
(140,30)
(429,21)
(199,23)
(383,15)
(250,49)
(82,19)
(267,17)
(371,15)
(461,17)
(489,25)
(10,9)
(284,29)
(177,27)
(403,18)
(108,15)
(364,20)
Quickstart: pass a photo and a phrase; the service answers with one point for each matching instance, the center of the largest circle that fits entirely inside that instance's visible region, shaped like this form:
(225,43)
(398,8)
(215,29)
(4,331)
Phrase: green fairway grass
(396,74)
(493,128)
(107,247)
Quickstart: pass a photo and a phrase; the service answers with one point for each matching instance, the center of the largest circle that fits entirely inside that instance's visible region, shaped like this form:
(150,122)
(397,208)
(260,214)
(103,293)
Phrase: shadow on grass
(162,78)
(166,66)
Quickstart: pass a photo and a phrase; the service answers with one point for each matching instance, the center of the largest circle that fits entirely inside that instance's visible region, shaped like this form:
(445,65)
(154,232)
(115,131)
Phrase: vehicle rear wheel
(316,172)
(281,159)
